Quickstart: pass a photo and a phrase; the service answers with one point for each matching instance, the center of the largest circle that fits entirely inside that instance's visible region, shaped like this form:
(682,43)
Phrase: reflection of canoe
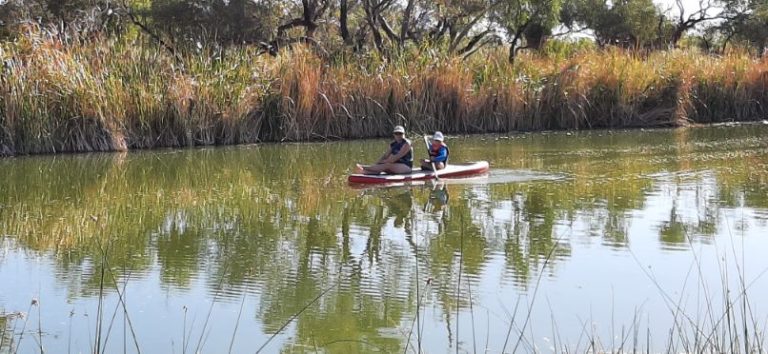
(452,171)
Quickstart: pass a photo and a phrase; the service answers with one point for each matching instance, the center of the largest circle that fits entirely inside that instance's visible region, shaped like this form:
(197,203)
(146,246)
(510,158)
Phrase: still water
(587,241)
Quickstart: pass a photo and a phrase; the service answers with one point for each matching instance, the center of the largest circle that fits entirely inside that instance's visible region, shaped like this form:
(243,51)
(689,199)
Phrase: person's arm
(430,155)
(403,151)
(441,156)
(383,158)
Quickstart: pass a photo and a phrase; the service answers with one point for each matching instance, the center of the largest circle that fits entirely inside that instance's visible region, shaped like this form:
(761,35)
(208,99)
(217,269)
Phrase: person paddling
(397,159)
(438,153)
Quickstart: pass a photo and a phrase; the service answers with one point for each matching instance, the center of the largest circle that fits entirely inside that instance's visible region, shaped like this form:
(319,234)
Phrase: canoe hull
(452,171)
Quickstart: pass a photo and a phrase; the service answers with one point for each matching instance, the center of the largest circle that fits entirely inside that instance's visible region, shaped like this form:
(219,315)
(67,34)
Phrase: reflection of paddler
(438,196)
(399,205)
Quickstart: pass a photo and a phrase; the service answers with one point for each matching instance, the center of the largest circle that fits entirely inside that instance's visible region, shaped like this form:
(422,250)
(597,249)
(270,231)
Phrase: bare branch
(680,8)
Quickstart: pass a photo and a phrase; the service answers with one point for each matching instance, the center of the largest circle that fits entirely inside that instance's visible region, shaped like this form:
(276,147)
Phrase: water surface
(575,241)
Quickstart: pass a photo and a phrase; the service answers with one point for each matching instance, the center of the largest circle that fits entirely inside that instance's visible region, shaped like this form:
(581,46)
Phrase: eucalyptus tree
(687,19)
(624,23)
(526,23)
(640,23)
(217,22)
(746,21)
(467,26)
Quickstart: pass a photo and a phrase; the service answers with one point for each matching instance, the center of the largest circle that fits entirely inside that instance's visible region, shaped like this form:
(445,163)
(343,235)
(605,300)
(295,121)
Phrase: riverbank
(115,95)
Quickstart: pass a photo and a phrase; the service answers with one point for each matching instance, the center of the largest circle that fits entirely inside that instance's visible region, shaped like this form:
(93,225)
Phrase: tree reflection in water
(243,219)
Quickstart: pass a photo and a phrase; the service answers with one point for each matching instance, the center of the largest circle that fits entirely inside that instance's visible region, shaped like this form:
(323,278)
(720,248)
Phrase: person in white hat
(397,159)
(438,153)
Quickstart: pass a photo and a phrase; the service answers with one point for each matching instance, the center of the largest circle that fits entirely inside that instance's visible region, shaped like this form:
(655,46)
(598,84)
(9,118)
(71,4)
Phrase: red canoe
(452,171)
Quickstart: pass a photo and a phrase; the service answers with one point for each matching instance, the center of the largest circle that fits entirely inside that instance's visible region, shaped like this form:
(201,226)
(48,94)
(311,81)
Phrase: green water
(599,240)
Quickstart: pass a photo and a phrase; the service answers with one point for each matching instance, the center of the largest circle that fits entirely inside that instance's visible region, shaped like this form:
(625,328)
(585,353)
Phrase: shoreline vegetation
(63,93)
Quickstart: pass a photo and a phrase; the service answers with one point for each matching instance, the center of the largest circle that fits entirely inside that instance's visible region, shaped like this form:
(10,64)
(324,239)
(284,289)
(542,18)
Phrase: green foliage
(13,13)
(626,23)
(386,26)
(219,21)
(563,49)
(750,24)
(533,19)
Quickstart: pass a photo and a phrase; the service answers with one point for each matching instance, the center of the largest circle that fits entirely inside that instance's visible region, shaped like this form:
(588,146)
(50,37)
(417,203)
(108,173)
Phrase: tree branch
(456,40)
(296,22)
(321,12)
(406,22)
(388,30)
(472,42)
(151,33)
(370,17)
(493,39)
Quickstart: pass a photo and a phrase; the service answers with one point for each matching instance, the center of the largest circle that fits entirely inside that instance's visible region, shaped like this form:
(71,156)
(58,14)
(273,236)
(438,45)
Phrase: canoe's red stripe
(373,179)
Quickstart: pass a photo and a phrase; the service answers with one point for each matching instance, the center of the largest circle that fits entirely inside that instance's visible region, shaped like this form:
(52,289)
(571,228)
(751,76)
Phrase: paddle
(426,141)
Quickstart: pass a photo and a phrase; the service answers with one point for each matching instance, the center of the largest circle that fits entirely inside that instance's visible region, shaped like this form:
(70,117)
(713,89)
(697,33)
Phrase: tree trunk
(404,27)
(513,48)
(370,17)
(343,26)
(309,14)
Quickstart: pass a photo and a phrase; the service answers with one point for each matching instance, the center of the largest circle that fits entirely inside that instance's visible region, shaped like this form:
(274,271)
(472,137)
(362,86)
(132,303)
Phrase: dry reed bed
(62,95)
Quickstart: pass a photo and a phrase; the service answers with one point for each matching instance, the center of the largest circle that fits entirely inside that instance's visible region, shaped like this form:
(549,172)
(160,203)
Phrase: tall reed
(61,94)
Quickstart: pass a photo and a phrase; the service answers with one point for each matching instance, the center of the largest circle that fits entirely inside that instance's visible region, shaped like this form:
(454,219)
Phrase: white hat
(399,129)
(438,136)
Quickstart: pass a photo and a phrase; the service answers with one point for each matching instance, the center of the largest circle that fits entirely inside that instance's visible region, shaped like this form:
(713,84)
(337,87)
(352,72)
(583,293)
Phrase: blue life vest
(394,149)
(440,154)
